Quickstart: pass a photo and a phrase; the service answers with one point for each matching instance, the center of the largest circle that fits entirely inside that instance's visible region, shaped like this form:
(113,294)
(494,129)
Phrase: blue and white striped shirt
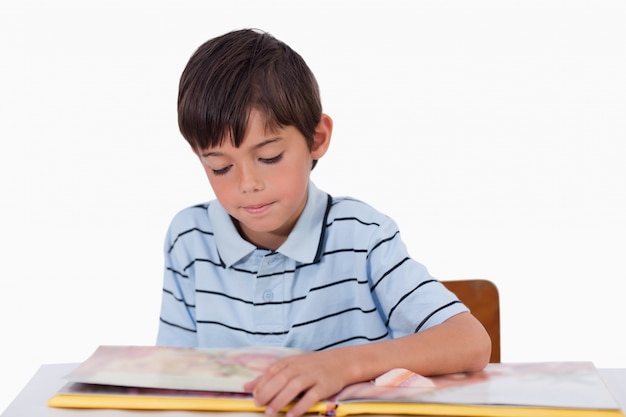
(343,277)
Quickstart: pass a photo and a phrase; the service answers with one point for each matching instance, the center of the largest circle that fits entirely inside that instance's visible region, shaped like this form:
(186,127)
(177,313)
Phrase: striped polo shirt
(342,277)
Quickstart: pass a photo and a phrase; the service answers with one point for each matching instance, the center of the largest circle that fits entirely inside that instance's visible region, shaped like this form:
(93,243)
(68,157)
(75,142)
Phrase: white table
(31,401)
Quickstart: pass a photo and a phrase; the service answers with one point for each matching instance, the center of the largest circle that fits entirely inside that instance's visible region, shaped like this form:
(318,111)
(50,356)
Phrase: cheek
(292,177)
(222,190)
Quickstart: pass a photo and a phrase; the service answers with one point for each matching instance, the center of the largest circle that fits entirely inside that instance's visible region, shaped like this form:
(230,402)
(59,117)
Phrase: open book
(168,378)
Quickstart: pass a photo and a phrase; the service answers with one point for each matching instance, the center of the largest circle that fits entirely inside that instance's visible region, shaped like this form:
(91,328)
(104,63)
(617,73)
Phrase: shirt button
(268,295)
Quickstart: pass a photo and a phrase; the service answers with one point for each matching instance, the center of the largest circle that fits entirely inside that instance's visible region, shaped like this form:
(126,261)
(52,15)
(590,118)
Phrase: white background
(494,132)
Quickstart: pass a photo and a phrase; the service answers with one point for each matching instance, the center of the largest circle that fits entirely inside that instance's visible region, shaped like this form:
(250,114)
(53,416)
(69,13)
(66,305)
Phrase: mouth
(257,209)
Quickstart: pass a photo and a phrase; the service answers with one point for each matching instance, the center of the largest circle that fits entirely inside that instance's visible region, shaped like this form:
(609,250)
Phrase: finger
(267,387)
(250,385)
(304,404)
(286,398)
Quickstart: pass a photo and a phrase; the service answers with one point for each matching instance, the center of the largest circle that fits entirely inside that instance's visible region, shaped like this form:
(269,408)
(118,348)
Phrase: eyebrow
(257,146)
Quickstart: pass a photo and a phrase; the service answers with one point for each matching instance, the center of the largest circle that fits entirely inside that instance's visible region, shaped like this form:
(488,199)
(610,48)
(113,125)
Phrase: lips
(257,209)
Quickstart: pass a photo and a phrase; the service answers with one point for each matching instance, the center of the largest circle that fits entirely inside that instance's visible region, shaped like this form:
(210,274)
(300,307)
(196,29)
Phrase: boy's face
(263,184)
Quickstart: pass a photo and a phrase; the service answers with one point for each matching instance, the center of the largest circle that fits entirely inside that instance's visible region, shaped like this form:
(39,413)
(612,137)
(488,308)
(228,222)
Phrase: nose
(249,180)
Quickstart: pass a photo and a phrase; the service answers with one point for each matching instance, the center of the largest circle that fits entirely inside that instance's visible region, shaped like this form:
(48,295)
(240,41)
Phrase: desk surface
(31,401)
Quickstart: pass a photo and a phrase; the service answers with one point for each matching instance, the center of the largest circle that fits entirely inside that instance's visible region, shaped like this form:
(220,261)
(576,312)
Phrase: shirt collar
(303,243)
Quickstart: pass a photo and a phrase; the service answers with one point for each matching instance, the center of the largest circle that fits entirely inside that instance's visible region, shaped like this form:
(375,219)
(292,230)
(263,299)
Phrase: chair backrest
(481,297)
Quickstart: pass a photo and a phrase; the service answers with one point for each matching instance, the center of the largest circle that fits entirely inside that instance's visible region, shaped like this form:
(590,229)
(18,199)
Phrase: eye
(221,171)
(273,160)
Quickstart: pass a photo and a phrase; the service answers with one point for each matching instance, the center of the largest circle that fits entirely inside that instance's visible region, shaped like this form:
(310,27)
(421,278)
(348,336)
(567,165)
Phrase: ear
(321,138)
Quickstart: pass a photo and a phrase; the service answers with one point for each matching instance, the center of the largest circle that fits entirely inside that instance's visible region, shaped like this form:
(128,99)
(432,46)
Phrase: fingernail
(269,411)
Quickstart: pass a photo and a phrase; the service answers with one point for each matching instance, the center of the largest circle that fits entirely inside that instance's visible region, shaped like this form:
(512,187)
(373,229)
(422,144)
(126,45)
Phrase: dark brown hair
(230,75)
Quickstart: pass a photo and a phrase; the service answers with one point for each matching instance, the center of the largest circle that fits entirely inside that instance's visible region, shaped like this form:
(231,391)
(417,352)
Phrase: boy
(276,261)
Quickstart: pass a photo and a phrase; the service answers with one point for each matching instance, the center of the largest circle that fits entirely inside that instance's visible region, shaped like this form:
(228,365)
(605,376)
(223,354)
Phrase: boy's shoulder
(191,216)
(345,207)
(351,222)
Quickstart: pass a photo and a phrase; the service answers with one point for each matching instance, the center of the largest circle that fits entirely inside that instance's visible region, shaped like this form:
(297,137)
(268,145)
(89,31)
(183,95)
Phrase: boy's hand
(315,375)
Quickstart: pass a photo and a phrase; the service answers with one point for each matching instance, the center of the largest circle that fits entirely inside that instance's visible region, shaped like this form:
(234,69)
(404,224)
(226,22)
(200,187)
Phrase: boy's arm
(460,344)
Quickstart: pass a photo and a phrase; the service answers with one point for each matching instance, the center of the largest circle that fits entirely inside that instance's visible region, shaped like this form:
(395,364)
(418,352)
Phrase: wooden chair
(481,297)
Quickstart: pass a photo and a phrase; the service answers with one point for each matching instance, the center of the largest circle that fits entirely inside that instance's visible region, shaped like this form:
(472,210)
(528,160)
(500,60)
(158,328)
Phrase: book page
(574,385)
(177,368)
